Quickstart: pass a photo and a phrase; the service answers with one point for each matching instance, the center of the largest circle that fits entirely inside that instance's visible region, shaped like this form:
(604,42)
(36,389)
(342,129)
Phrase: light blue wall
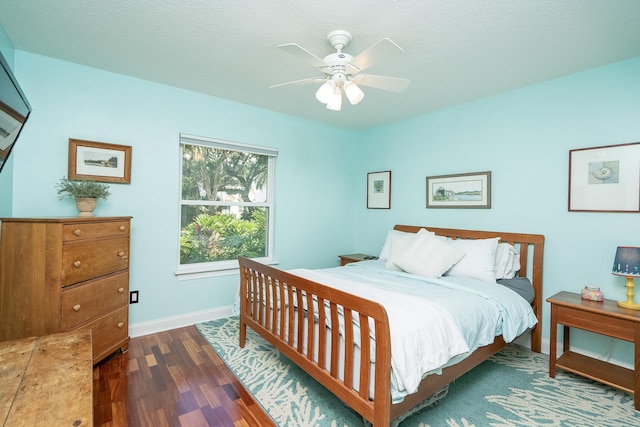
(523,137)
(315,209)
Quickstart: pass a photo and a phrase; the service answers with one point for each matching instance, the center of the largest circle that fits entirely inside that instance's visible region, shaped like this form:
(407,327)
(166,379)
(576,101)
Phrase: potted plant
(86,193)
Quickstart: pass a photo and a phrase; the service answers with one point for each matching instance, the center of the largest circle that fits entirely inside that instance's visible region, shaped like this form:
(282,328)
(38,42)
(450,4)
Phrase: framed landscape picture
(99,161)
(464,190)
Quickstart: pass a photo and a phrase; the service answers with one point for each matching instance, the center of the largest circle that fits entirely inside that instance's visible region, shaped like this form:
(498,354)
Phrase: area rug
(511,389)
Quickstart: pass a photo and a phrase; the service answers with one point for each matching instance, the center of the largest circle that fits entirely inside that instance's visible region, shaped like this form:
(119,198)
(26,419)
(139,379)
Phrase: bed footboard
(285,310)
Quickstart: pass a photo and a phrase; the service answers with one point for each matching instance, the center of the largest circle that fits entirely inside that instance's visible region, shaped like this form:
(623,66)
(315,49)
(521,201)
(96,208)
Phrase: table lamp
(627,264)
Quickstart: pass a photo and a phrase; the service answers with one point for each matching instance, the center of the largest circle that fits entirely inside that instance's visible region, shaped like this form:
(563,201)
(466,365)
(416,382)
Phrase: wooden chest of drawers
(66,274)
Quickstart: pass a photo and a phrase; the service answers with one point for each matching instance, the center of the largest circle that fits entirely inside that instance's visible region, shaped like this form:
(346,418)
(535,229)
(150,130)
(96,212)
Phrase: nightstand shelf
(606,318)
(597,370)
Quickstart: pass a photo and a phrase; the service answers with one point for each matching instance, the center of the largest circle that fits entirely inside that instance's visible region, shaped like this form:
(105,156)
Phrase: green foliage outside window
(222,237)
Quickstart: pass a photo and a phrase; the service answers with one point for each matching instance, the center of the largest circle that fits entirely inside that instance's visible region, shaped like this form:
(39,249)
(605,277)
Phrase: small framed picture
(463,190)
(379,190)
(605,179)
(99,161)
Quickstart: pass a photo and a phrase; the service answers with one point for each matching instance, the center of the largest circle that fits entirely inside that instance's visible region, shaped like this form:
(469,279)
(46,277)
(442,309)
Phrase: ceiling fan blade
(392,84)
(300,82)
(384,49)
(304,55)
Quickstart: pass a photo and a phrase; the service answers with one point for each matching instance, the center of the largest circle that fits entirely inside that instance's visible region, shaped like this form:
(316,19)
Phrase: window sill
(200,271)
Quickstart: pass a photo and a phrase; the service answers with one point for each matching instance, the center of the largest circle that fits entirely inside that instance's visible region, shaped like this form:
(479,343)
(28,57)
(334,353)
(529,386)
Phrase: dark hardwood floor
(171,378)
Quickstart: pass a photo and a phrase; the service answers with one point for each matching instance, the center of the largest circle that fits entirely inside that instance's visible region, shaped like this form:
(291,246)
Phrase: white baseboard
(167,323)
(524,340)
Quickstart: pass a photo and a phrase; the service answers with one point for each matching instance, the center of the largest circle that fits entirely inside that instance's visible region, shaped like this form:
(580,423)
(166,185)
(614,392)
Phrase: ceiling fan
(343,72)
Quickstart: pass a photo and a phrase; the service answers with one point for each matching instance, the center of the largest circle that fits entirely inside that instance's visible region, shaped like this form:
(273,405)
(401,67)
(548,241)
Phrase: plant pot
(86,206)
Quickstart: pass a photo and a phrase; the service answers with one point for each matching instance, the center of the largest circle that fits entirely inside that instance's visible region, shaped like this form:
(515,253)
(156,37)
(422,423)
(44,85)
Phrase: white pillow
(510,273)
(398,242)
(386,248)
(391,235)
(479,260)
(507,261)
(504,259)
(430,256)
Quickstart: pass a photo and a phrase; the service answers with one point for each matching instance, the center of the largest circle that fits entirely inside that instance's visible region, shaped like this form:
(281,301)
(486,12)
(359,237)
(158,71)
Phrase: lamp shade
(627,261)
(335,103)
(353,92)
(325,92)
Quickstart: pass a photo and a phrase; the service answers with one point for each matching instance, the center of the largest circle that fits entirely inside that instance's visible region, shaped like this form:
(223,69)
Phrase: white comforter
(431,322)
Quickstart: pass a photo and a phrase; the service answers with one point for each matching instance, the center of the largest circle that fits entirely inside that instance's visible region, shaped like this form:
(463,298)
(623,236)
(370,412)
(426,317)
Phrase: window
(226,203)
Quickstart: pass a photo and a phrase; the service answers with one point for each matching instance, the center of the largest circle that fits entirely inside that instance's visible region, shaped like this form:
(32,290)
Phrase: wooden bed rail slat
(348,349)
(311,339)
(524,256)
(253,284)
(291,313)
(274,309)
(299,320)
(365,356)
(335,339)
(282,321)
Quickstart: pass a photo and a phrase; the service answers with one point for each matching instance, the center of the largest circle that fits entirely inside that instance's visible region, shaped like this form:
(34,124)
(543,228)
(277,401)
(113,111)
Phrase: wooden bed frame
(263,288)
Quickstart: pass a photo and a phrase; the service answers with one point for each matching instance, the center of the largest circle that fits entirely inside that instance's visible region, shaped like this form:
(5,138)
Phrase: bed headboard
(531,248)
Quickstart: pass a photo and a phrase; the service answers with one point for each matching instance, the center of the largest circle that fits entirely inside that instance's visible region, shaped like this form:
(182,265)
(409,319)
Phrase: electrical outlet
(133,297)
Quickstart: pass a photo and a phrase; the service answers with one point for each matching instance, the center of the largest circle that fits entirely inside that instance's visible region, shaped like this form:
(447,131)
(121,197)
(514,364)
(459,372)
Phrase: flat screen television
(14,111)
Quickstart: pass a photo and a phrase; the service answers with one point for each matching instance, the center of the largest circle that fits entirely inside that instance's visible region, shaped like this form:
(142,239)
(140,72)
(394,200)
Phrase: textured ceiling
(455,51)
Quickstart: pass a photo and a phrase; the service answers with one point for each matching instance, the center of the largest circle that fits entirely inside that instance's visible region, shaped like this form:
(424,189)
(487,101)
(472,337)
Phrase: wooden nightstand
(346,259)
(606,318)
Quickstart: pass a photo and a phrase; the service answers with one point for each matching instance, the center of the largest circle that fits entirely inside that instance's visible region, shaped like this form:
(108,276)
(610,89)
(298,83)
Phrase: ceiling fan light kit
(335,103)
(343,73)
(325,92)
(353,92)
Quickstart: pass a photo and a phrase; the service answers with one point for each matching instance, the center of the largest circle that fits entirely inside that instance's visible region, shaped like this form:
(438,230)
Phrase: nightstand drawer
(84,261)
(74,232)
(598,323)
(92,299)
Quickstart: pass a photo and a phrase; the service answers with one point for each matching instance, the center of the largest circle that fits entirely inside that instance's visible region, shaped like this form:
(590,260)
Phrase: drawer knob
(77,264)
(122,228)
(120,325)
(76,307)
(78,232)
(122,254)
(120,290)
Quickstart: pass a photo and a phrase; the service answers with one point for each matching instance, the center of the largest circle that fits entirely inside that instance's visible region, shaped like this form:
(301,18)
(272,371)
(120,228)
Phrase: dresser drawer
(108,332)
(82,231)
(86,260)
(92,299)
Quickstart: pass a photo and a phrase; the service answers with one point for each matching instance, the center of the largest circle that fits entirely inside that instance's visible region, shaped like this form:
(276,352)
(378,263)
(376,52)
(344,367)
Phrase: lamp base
(631,305)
